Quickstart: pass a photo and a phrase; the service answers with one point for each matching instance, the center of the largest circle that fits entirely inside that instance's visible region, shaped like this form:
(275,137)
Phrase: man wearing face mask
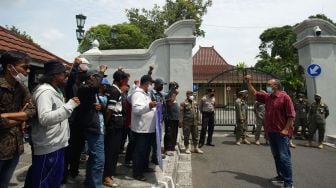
(279,119)
(241,117)
(143,126)
(189,117)
(301,109)
(207,108)
(318,114)
(16,107)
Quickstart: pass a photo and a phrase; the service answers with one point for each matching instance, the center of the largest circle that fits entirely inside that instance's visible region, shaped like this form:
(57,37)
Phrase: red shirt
(278,108)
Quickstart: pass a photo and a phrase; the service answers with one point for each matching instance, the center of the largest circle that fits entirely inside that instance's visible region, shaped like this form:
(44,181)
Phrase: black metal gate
(227,85)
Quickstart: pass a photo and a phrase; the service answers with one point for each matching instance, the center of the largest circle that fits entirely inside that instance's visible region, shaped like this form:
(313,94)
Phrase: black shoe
(200,145)
(210,144)
(277,180)
(155,161)
(140,178)
(149,170)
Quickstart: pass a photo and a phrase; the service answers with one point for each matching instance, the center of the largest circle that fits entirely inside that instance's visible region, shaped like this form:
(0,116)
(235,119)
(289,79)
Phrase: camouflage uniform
(301,109)
(259,112)
(317,115)
(13,100)
(241,118)
(190,119)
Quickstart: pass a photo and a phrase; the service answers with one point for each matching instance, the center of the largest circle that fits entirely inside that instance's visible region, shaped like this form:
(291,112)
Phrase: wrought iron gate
(227,85)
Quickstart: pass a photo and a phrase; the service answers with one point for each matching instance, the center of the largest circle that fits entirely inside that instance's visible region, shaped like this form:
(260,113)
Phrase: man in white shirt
(142,126)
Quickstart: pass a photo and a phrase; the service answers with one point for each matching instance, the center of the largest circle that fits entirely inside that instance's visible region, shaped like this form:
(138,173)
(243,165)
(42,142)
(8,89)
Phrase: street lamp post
(80,20)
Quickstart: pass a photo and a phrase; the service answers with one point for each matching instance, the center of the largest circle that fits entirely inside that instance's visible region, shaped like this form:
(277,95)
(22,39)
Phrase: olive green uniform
(301,110)
(317,115)
(189,118)
(241,118)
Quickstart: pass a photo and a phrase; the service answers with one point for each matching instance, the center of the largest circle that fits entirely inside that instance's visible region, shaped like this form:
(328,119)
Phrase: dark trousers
(48,169)
(141,152)
(125,133)
(321,130)
(153,149)
(130,148)
(113,139)
(170,137)
(7,168)
(208,124)
(303,123)
(282,156)
(73,151)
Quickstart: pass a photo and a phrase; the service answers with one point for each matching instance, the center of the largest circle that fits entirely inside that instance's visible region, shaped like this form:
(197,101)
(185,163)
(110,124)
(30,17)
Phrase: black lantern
(79,34)
(114,33)
(80,19)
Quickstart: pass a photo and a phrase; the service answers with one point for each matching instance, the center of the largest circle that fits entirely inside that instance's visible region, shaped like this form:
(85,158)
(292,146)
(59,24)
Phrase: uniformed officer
(301,108)
(207,108)
(189,117)
(317,115)
(259,112)
(241,117)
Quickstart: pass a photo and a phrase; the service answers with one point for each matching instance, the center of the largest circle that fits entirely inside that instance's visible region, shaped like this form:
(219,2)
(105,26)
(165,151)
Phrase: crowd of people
(69,112)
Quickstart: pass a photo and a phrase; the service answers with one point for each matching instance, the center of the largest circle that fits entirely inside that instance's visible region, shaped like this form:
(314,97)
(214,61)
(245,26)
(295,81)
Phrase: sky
(232,26)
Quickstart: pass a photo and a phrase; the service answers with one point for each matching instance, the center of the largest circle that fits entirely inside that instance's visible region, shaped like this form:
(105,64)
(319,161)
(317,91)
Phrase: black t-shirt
(114,103)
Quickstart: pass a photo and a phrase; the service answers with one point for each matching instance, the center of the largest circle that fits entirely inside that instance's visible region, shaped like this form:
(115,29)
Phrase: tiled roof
(11,41)
(207,63)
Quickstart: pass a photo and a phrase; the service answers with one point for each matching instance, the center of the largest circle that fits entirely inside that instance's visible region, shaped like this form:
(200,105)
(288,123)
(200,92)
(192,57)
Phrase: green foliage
(153,22)
(17,31)
(279,57)
(241,65)
(129,36)
(323,17)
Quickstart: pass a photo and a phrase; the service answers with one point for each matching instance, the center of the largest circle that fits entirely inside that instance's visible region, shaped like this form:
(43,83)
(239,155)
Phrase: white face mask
(191,98)
(20,77)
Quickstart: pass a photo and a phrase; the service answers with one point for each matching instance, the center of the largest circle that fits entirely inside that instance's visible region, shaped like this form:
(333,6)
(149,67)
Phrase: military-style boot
(197,150)
(245,141)
(187,149)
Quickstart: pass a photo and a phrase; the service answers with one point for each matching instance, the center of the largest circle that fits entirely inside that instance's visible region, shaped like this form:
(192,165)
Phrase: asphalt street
(247,166)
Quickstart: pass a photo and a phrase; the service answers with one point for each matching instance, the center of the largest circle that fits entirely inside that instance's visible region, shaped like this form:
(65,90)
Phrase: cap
(317,95)
(243,92)
(84,60)
(189,92)
(83,68)
(92,73)
(105,81)
(159,81)
(146,78)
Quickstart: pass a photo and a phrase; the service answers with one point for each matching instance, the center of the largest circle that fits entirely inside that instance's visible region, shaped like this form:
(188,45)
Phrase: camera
(317,31)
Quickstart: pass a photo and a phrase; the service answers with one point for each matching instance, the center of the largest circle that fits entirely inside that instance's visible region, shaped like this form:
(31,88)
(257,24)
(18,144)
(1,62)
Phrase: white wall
(171,57)
(320,50)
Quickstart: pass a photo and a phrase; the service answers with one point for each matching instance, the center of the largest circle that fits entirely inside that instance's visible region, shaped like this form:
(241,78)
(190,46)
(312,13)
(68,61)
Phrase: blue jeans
(47,170)
(282,156)
(95,163)
(7,168)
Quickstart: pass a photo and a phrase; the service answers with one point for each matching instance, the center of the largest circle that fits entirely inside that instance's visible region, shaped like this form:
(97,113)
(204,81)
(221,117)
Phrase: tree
(17,31)
(323,17)
(129,36)
(279,57)
(153,22)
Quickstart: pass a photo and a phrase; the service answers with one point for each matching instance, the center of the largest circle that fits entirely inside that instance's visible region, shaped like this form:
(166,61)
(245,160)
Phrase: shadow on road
(262,182)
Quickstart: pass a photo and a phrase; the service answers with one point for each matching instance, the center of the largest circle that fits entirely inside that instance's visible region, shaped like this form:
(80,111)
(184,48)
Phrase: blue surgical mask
(269,89)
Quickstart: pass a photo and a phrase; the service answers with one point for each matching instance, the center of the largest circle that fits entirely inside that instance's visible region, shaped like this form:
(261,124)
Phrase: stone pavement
(176,173)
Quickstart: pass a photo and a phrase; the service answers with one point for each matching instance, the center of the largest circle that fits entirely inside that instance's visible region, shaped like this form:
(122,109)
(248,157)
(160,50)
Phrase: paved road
(231,166)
